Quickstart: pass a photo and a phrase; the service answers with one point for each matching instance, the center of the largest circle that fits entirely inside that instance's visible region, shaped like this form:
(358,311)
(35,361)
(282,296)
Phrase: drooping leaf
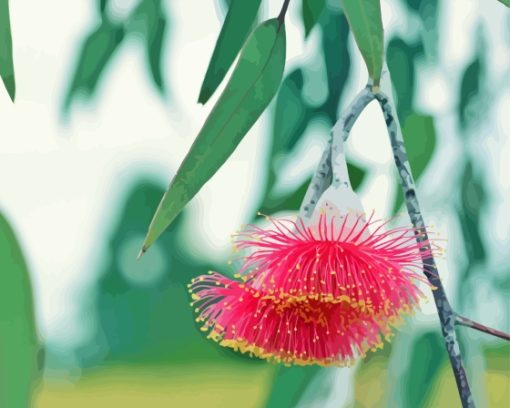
(310,12)
(365,21)
(153,21)
(238,22)
(19,346)
(96,52)
(335,33)
(420,139)
(289,385)
(426,358)
(253,84)
(6,60)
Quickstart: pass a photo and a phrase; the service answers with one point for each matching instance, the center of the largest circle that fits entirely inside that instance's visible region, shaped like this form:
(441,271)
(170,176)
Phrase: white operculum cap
(340,209)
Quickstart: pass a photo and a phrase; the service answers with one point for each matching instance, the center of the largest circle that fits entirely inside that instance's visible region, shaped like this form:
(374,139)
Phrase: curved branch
(322,177)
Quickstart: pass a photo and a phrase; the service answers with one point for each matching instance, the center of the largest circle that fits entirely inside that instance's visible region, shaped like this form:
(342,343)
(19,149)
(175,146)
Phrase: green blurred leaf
(401,58)
(365,21)
(292,201)
(18,340)
(420,139)
(96,52)
(427,356)
(310,12)
(6,60)
(154,21)
(335,35)
(291,114)
(289,202)
(505,2)
(253,84)
(289,385)
(428,12)
(372,374)
(238,22)
(469,91)
(473,198)
(102,4)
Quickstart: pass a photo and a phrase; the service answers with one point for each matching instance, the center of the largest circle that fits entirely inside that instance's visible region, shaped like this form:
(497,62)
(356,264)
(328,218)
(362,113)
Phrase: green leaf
(310,12)
(238,22)
(291,114)
(365,21)
(505,2)
(289,385)
(154,22)
(420,139)
(426,358)
(96,53)
(253,84)
(6,60)
(19,346)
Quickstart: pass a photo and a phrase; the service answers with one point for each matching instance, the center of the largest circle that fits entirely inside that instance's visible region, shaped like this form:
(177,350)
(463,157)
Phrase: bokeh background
(106,110)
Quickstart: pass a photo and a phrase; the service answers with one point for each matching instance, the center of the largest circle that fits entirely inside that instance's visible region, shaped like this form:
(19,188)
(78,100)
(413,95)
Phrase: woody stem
(446,314)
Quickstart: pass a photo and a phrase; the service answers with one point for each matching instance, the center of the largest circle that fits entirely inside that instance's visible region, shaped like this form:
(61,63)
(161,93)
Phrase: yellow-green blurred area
(194,385)
(106,109)
(234,385)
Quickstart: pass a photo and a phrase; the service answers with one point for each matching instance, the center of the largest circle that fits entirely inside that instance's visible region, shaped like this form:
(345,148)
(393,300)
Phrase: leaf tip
(142,251)
(204,96)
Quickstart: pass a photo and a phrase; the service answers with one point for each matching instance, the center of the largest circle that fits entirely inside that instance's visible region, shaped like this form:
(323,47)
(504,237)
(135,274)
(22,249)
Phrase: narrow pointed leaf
(253,84)
(6,60)
(310,11)
(364,18)
(238,22)
(18,340)
(505,2)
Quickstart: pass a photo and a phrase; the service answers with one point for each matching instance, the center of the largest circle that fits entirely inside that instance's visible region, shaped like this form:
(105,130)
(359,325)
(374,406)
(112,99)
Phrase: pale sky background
(61,184)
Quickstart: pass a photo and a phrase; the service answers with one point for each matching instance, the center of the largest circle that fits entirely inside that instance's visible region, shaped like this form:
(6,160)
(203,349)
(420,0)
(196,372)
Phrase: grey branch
(446,314)
(322,178)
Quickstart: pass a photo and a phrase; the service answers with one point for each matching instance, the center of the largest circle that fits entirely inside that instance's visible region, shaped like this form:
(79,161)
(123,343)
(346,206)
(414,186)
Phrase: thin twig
(322,177)
(446,314)
(464,321)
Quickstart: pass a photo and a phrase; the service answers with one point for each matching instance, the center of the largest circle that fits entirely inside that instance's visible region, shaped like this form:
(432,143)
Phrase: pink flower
(313,295)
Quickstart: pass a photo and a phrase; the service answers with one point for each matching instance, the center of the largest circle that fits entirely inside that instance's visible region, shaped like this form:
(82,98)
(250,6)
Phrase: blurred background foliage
(145,347)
